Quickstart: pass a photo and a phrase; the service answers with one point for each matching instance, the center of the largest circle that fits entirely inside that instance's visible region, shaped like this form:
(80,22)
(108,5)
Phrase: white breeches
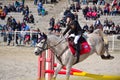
(76,37)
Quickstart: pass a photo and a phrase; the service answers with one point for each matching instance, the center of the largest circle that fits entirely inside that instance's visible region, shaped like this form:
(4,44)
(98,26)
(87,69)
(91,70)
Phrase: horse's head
(40,47)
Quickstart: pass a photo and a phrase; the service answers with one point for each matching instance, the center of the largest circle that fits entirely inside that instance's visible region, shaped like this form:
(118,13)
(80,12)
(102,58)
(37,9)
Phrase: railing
(114,43)
(20,34)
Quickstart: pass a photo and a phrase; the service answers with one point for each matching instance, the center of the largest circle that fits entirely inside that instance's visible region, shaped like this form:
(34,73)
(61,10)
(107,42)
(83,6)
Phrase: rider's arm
(66,30)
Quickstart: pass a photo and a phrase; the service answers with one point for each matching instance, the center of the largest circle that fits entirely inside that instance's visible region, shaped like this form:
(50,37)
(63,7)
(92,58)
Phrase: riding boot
(77,54)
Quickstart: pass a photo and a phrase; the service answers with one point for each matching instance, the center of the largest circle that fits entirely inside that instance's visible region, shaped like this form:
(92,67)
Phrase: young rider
(74,28)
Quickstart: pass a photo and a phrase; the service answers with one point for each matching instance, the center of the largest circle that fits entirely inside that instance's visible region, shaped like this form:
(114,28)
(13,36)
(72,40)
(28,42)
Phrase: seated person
(31,19)
(107,9)
(41,9)
(2,15)
(25,18)
(57,28)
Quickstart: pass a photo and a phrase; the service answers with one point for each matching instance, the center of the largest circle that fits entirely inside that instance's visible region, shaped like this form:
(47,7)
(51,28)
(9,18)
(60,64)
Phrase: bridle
(43,48)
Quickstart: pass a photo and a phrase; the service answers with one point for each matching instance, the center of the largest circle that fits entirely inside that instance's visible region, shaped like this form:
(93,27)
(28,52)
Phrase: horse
(58,47)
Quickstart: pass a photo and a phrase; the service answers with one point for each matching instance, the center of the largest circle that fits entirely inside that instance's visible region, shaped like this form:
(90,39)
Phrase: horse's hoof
(110,57)
(103,57)
(107,57)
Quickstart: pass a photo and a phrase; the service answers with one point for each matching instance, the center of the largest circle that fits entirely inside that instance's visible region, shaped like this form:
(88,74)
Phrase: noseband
(43,47)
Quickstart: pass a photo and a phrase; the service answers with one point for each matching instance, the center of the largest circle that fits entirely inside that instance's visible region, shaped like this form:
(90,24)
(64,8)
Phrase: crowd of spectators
(96,11)
(108,27)
(23,32)
(19,33)
(112,9)
(92,12)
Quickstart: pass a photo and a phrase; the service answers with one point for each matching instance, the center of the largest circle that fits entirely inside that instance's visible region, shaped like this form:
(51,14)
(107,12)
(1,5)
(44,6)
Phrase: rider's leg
(77,47)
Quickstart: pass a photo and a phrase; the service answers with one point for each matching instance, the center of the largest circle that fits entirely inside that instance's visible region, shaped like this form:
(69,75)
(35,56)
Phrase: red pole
(41,66)
(60,72)
(72,69)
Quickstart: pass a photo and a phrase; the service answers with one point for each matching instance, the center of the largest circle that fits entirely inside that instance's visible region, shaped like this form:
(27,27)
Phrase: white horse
(58,46)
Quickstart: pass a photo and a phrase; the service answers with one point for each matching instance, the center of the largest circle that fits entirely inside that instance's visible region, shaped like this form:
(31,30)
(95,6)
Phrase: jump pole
(49,64)
(41,66)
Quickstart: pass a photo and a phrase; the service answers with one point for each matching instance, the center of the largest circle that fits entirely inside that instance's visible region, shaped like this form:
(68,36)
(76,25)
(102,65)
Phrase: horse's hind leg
(107,52)
(59,67)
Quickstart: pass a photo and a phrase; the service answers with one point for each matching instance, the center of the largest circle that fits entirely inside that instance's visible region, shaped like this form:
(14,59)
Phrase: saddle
(84,46)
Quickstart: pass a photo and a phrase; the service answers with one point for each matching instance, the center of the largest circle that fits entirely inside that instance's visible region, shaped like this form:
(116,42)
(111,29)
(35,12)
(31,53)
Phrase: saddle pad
(85,48)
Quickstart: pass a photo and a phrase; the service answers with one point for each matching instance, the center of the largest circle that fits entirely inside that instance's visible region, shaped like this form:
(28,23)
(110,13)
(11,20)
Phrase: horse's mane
(54,39)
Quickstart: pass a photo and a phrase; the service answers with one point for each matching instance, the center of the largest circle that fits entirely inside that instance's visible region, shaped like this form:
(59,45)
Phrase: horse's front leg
(68,71)
(59,67)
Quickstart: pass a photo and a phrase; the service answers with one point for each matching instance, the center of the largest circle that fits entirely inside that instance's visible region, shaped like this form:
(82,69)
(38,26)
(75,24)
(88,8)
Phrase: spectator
(85,2)
(106,29)
(85,28)
(27,34)
(97,23)
(51,23)
(35,2)
(40,6)
(9,35)
(31,19)
(106,22)
(62,22)
(110,23)
(107,9)
(85,10)
(112,29)
(94,15)
(67,11)
(34,38)
(13,23)
(25,18)
(95,2)
(18,26)
(5,9)
(101,2)
(57,28)
(26,10)
(95,8)
(99,11)
(23,2)
(2,15)
(17,4)
(113,10)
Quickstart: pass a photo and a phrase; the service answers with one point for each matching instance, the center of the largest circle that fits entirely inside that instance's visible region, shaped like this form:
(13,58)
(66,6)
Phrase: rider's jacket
(73,28)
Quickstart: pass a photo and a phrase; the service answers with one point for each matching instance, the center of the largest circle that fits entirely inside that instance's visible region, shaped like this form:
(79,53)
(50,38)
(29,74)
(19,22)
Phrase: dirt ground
(20,63)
